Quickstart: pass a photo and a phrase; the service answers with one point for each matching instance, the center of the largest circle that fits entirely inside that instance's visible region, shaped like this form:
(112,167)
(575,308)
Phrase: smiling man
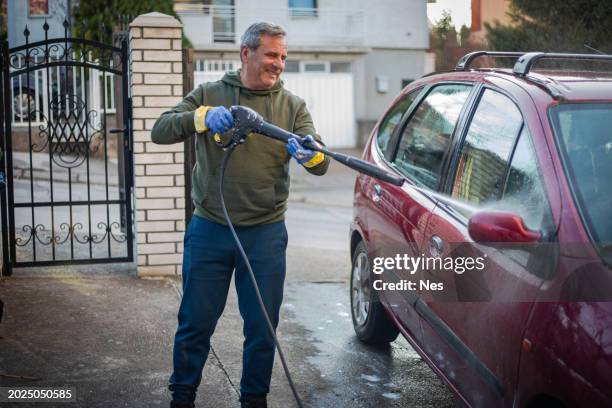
(256,189)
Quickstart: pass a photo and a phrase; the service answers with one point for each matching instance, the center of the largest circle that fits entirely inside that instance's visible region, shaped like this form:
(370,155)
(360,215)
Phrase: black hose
(248,264)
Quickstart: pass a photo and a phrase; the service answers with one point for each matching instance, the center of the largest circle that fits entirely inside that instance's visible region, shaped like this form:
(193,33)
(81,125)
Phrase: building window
(339,67)
(38,8)
(224,21)
(315,66)
(292,66)
(211,65)
(303,8)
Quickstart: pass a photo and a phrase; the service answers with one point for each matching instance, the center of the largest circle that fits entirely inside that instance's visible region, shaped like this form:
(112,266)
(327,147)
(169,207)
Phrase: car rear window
(392,119)
(584,136)
(427,135)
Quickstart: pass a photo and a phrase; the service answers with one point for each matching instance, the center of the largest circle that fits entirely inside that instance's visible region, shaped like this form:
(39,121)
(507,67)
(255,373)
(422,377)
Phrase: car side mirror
(500,226)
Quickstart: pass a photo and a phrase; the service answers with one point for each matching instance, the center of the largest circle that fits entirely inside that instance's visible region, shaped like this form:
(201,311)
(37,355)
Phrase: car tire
(370,320)
(20,97)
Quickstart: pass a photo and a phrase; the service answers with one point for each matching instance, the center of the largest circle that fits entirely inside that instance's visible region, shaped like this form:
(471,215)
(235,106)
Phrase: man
(256,189)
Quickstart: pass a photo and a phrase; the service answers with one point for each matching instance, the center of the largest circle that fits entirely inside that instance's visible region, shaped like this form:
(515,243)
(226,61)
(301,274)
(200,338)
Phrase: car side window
(392,119)
(427,135)
(524,194)
(484,154)
(524,190)
(495,171)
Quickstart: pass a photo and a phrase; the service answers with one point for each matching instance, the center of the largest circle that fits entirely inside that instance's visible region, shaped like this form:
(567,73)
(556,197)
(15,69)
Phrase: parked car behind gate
(30,92)
(514,167)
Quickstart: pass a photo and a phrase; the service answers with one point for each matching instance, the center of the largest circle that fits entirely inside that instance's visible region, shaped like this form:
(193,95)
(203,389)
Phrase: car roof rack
(465,61)
(525,62)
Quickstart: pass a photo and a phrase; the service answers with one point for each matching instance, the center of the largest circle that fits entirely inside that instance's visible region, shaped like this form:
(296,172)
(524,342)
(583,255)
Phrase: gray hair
(252,36)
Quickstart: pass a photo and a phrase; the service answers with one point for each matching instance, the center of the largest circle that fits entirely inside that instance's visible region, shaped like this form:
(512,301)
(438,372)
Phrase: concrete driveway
(110,335)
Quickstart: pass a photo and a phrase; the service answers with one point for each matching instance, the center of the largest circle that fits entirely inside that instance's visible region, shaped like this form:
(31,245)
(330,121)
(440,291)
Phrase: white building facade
(347,59)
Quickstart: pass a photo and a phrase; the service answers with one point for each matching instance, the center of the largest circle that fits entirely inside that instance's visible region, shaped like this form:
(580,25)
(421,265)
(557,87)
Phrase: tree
(98,19)
(447,44)
(3,20)
(552,25)
(464,35)
(443,36)
(441,31)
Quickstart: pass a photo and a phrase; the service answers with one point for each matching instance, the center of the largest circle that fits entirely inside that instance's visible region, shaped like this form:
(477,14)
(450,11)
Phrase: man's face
(263,67)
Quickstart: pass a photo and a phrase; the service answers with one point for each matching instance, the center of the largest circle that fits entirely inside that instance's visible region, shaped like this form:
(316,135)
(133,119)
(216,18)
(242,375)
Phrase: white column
(157,85)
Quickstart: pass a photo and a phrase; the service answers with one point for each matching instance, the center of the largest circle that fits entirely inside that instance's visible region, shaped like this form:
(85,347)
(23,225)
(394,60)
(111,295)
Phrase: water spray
(459,205)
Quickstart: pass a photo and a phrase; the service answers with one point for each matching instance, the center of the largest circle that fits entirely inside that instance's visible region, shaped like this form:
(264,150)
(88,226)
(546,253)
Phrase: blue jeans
(210,256)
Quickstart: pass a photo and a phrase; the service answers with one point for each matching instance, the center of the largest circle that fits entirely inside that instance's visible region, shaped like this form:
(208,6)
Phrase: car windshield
(584,134)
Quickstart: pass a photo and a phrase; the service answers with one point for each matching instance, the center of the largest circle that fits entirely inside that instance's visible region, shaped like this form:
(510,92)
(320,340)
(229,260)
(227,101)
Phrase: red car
(513,169)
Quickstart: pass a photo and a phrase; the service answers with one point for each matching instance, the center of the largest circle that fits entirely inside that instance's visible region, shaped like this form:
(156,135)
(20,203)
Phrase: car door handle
(376,193)
(436,245)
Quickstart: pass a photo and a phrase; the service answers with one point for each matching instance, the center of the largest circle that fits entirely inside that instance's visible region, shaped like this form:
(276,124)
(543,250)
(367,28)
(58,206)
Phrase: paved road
(111,336)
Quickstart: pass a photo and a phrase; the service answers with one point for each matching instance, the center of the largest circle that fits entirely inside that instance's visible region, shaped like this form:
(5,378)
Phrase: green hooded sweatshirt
(256,185)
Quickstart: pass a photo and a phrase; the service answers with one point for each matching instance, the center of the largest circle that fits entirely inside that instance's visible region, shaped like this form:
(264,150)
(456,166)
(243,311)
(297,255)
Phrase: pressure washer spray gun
(247,121)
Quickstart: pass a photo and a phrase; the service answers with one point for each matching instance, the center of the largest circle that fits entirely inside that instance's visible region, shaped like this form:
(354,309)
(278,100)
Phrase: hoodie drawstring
(268,107)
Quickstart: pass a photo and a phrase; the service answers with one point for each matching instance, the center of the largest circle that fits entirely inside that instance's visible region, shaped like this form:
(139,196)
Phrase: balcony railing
(309,27)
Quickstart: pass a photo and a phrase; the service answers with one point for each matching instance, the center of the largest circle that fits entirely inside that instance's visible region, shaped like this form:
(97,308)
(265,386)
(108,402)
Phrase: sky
(459,9)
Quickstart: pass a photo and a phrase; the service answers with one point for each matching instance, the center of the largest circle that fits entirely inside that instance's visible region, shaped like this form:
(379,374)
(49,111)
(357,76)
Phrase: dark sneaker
(175,404)
(254,403)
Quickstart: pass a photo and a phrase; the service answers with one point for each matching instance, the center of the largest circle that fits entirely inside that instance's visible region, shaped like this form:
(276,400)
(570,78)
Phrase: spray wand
(247,120)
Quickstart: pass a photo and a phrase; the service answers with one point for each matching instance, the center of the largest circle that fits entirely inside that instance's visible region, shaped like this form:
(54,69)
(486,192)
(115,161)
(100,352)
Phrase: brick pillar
(157,85)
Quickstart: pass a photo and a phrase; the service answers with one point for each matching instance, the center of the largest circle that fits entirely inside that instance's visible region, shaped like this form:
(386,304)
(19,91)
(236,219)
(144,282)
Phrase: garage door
(328,96)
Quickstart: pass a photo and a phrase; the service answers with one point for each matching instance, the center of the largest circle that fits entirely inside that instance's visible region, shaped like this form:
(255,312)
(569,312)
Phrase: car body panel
(571,356)
(396,219)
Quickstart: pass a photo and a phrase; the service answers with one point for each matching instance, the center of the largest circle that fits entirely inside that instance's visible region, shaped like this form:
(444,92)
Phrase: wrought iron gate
(68,152)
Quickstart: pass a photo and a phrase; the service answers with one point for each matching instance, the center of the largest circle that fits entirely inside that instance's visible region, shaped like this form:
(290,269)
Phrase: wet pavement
(355,374)
(110,335)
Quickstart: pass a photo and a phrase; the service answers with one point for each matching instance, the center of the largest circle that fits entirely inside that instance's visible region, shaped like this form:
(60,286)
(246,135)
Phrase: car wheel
(370,321)
(20,104)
